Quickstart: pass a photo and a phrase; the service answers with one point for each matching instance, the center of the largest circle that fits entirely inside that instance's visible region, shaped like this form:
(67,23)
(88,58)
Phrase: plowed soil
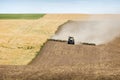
(60,61)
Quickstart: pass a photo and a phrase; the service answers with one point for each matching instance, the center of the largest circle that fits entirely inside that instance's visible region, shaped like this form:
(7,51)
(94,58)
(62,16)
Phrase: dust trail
(98,32)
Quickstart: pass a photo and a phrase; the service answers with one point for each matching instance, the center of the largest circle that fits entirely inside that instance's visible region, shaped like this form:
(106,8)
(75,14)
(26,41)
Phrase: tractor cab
(71,40)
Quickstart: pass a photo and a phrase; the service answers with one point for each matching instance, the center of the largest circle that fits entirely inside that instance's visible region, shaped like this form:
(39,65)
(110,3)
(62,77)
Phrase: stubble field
(21,39)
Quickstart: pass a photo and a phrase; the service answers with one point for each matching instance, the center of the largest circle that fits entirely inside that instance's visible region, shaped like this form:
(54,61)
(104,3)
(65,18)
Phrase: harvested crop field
(21,39)
(59,61)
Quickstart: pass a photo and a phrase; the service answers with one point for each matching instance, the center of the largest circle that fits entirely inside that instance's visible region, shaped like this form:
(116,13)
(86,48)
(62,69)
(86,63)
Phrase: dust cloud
(91,31)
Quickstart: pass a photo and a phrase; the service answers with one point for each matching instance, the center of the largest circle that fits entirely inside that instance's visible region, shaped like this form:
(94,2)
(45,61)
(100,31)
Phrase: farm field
(59,61)
(21,39)
(21,16)
(22,46)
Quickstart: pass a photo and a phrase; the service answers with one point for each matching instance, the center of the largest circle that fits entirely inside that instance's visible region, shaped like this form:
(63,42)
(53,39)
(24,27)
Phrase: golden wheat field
(21,40)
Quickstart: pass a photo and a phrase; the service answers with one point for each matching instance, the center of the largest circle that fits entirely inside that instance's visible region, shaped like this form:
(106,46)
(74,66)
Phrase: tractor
(71,40)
